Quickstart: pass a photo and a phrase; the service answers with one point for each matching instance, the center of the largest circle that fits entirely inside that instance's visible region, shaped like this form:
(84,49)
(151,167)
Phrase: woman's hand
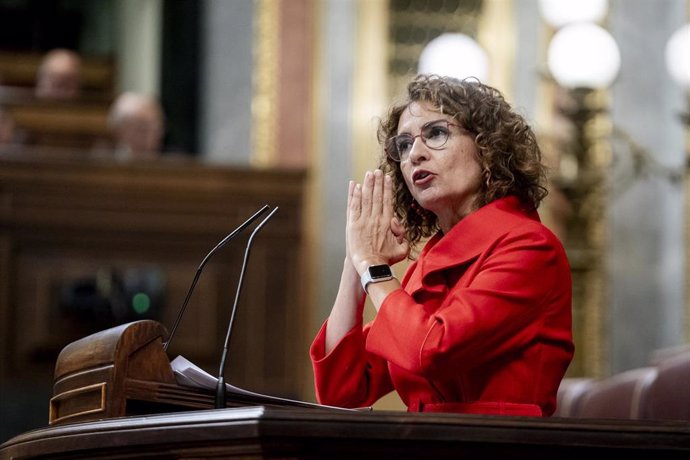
(373,234)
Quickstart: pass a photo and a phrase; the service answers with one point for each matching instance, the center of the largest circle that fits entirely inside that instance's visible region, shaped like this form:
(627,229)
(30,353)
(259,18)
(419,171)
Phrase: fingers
(373,233)
(388,201)
(377,205)
(373,193)
(350,194)
(354,201)
(374,197)
(350,190)
(367,193)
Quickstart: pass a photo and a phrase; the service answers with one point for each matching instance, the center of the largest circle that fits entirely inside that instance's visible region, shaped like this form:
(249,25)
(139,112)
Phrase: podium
(115,396)
(257,432)
(116,372)
(124,371)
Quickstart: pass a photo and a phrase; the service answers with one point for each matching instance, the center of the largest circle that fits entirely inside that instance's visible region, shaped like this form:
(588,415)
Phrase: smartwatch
(376,274)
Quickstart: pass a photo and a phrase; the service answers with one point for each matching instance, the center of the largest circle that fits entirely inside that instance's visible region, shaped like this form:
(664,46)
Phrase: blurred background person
(137,124)
(59,75)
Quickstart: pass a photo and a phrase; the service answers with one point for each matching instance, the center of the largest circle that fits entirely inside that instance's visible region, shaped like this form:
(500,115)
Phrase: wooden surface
(124,371)
(94,375)
(64,218)
(259,432)
(76,124)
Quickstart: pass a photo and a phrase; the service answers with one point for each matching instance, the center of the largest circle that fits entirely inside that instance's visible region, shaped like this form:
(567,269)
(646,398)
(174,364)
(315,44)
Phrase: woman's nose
(418,151)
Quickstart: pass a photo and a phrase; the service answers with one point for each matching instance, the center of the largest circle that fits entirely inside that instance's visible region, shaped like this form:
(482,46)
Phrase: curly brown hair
(508,151)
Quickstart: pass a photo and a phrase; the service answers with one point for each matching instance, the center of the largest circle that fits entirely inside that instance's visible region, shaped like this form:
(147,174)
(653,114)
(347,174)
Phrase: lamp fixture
(558,13)
(583,55)
(678,56)
(454,55)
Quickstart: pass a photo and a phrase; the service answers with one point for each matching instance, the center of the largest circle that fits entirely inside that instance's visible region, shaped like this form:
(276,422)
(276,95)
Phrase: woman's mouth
(421,177)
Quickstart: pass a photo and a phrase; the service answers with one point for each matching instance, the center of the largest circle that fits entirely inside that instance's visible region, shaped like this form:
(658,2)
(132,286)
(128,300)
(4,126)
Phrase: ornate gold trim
(370,84)
(265,95)
(495,24)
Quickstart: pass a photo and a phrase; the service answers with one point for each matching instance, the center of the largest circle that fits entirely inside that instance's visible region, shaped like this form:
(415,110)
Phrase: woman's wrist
(350,274)
(361,265)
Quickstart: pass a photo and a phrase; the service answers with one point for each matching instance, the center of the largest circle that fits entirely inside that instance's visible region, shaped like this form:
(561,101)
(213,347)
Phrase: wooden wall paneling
(65,218)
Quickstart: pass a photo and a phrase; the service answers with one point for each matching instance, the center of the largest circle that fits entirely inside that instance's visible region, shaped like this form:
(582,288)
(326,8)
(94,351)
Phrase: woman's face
(447,181)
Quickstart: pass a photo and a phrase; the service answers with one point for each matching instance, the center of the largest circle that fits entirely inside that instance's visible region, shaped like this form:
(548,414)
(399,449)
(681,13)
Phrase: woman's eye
(404,144)
(436,131)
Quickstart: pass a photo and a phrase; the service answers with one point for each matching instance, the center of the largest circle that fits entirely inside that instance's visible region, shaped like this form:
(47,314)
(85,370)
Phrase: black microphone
(222,243)
(220,388)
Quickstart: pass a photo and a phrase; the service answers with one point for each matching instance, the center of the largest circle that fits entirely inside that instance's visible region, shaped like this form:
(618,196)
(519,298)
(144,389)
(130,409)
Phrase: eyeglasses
(434,135)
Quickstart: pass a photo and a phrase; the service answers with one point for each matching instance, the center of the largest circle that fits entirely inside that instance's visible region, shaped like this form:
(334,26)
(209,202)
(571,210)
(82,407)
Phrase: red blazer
(482,324)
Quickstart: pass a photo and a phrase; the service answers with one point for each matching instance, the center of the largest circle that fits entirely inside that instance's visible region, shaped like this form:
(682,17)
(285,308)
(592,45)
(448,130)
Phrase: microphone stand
(220,388)
(222,243)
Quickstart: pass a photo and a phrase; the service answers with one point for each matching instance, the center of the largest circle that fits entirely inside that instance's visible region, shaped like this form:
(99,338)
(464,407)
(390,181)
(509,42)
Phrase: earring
(418,210)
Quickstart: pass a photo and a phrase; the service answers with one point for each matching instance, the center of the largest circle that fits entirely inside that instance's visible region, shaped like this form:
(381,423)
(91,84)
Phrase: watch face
(380,271)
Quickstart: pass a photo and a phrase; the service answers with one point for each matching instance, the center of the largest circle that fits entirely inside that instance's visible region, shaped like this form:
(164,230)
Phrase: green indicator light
(141,303)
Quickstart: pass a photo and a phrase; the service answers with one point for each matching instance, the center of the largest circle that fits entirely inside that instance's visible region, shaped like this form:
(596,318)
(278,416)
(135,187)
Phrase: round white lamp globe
(454,55)
(558,13)
(678,56)
(583,55)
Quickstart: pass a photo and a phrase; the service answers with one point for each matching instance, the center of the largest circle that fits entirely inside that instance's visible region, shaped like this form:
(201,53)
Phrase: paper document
(189,374)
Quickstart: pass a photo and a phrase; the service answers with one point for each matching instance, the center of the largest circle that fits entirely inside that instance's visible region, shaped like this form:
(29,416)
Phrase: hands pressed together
(373,234)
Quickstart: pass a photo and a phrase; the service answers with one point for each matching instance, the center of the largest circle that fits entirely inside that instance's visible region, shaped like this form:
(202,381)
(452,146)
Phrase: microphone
(220,388)
(222,243)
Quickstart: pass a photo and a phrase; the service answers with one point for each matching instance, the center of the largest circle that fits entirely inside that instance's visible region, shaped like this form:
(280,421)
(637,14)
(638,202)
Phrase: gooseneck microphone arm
(222,243)
(220,388)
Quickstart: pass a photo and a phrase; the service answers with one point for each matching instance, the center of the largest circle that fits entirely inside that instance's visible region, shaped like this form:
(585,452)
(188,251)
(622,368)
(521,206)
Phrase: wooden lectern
(116,372)
(124,371)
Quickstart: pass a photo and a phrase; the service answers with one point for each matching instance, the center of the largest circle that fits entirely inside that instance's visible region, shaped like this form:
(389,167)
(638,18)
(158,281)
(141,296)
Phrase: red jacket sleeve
(348,376)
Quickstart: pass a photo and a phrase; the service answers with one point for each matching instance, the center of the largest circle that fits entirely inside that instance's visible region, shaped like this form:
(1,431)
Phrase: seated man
(59,75)
(137,123)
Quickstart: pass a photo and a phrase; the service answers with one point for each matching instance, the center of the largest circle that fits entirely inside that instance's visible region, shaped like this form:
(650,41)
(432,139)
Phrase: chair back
(570,394)
(669,396)
(622,396)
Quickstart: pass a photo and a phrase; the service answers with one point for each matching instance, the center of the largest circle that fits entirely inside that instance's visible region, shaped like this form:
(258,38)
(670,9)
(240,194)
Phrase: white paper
(189,374)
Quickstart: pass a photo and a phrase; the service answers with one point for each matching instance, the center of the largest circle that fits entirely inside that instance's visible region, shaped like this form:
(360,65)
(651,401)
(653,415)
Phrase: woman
(481,321)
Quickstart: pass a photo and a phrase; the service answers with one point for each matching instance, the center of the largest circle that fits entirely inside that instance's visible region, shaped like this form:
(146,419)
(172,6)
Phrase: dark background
(89,27)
